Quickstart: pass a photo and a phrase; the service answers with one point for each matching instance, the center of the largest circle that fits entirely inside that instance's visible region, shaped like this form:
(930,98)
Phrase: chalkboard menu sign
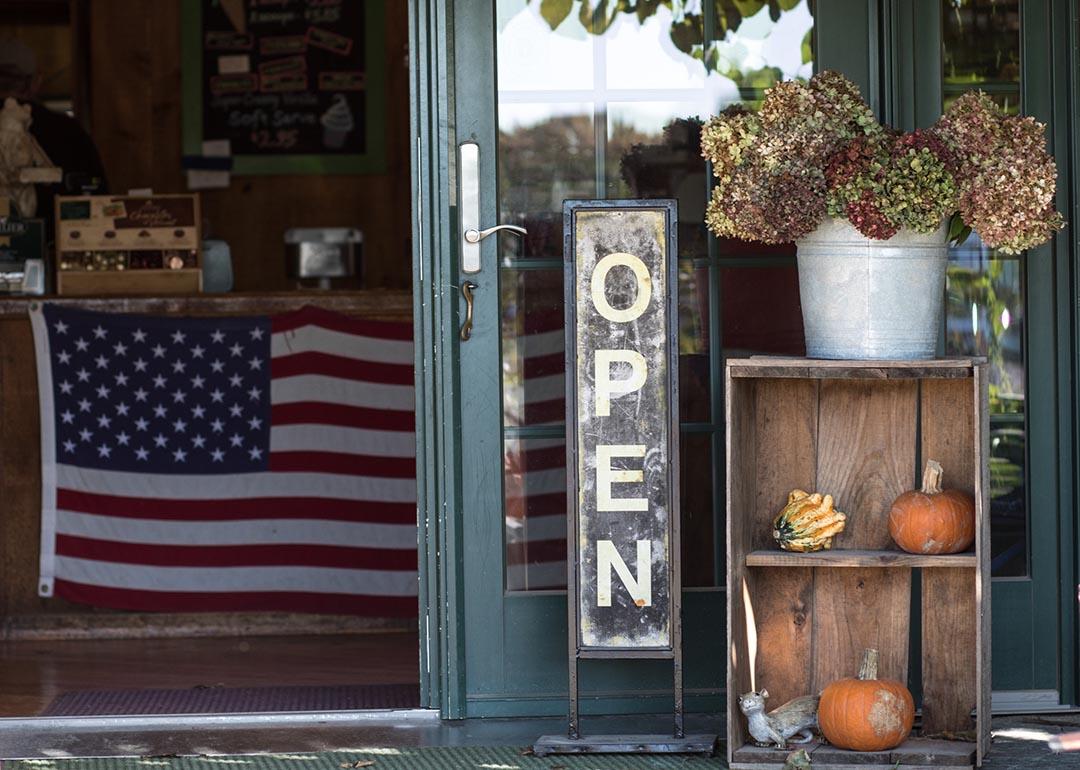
(293,85)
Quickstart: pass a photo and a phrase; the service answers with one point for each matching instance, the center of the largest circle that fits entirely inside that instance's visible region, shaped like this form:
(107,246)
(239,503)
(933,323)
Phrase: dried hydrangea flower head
(815,150)
(1008,180)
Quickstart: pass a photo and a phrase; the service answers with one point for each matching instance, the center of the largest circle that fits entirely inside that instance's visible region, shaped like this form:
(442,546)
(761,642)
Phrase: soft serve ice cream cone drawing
(337,122)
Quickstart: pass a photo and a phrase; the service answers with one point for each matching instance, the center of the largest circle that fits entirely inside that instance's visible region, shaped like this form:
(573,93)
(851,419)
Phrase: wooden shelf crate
(860,431)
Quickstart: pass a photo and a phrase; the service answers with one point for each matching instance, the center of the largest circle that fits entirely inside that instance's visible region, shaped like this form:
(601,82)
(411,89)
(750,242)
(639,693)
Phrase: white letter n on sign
(607,558)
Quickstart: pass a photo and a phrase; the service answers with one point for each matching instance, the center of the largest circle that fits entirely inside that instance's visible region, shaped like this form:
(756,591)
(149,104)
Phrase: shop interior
(117,71)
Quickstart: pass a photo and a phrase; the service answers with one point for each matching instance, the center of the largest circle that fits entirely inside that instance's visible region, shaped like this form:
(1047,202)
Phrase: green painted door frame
(900,51)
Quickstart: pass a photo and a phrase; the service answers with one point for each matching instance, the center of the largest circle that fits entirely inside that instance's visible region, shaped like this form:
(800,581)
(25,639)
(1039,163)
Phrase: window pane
(699,532)
(695,400)
(605,100)
(533,345)
(985,305)
(535,490)
(761,311)
(985,317)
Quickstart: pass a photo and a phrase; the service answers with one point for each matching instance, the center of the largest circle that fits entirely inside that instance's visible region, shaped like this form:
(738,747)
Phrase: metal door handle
(475,236)
(469,205)
(466,292)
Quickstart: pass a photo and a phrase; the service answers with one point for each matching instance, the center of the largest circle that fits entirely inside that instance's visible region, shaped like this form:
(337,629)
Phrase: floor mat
(453,758)
(232,700)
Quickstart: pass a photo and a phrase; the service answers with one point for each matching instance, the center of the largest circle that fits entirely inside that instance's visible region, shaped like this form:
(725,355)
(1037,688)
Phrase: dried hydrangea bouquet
(871,209)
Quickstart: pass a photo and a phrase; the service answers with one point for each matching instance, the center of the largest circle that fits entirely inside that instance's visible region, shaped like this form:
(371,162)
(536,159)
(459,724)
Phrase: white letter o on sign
(599,283)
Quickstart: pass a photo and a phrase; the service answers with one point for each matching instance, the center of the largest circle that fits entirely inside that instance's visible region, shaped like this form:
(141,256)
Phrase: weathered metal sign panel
(621,285)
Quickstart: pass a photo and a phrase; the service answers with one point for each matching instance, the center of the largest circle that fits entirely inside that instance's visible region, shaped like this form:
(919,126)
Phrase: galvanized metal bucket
(869,299)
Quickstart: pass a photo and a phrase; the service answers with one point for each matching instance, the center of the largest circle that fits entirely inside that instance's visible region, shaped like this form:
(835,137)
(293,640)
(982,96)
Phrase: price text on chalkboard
(285,77)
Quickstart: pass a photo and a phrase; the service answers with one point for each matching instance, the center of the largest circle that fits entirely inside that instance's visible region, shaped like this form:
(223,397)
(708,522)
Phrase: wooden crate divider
(860,431)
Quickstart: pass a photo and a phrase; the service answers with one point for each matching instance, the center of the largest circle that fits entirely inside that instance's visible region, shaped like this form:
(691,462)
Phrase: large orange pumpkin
(932,520)
(866,714)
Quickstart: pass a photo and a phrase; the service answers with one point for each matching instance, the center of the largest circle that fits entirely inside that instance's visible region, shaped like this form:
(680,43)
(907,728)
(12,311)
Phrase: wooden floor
(33,673)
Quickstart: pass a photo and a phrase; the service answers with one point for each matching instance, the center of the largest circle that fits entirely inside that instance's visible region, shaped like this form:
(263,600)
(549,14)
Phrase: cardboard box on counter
(117,244)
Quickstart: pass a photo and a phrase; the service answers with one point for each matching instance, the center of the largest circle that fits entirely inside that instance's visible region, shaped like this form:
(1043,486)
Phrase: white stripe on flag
(539,344)
(315,339)
(548,574)
(536,389)
(247,532)
(329,438)
(335,390)
(234,486)
(537,483)
(133,577)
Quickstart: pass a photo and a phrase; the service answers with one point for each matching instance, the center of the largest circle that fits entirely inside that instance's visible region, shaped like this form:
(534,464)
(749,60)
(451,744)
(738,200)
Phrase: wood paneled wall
(135,120)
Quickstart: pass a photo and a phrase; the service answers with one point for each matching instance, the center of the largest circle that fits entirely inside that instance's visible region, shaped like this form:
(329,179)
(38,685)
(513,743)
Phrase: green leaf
(808,47)
(555,11)
(688,33)
(787,5)
(748,7)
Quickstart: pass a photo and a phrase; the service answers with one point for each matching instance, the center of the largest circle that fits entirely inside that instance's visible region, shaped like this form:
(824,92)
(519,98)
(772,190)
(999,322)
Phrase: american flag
(227,464)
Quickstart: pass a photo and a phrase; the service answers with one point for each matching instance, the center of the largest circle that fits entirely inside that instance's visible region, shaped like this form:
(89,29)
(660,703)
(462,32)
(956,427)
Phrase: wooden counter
(377,304)
(20,446)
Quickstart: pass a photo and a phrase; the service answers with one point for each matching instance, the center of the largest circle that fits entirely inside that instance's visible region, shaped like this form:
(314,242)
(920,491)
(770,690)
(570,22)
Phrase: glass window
(606,100)
(985,290)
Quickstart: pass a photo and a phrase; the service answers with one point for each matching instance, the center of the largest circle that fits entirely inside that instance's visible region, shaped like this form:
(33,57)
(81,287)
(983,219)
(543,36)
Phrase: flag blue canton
(160,395)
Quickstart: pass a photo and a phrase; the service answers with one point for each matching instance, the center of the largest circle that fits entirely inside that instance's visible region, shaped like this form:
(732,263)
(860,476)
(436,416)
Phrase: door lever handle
(473,235)
(467,293)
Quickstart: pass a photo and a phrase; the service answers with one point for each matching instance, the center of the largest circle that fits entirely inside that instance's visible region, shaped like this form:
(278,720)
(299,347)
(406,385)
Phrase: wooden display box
(132,231)
(860,431)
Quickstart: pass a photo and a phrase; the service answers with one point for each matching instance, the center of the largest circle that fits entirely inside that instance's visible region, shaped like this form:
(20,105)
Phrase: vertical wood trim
(845,31)
(980,446)
(739,458)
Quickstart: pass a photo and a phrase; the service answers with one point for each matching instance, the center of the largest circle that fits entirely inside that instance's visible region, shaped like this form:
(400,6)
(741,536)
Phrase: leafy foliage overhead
(688,25)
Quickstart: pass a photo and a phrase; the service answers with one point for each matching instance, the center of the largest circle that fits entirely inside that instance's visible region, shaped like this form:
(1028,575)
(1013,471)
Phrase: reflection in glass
(698,522)
(985,317)
(604,99)
(761,311)
(981,49)
(533,345)
(654,153)
(535,489)
(985,303)
(694,392)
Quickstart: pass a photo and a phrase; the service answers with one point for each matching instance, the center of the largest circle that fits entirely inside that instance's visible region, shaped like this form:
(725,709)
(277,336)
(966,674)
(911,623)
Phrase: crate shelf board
(858,558)
(812,368)
(913,753)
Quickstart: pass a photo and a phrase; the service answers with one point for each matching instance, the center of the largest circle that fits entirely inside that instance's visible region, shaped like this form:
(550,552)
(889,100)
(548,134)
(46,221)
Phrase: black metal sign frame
(632,625)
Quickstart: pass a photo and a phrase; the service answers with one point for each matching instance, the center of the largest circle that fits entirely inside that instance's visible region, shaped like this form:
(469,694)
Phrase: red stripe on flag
(330,365)
(314,508)
(276,555)
(269,601)
(344,464)
(317,413)
(536,551)
(543,366)
(313,316)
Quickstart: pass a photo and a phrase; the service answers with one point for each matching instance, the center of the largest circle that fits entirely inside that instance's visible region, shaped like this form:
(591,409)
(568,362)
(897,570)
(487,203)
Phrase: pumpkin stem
(931,478)
(868,669)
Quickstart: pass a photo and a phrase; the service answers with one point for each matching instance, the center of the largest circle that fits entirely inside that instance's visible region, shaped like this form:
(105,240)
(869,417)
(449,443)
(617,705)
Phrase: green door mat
(455,758)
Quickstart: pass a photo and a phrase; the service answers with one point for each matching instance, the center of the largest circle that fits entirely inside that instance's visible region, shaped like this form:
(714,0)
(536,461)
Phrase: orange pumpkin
(866,714)
(932,520)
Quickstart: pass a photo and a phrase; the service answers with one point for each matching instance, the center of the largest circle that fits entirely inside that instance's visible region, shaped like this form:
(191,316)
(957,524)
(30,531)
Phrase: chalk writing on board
(285,77)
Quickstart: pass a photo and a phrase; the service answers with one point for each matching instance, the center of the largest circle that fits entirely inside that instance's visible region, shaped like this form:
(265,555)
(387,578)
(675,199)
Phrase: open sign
(621,292)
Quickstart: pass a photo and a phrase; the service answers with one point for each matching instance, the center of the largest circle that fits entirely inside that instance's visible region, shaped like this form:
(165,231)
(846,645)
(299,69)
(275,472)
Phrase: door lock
(467,293)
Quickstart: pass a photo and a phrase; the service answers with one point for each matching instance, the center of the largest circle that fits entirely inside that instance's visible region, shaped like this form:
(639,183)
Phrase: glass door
(1005,307)
(586,99)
